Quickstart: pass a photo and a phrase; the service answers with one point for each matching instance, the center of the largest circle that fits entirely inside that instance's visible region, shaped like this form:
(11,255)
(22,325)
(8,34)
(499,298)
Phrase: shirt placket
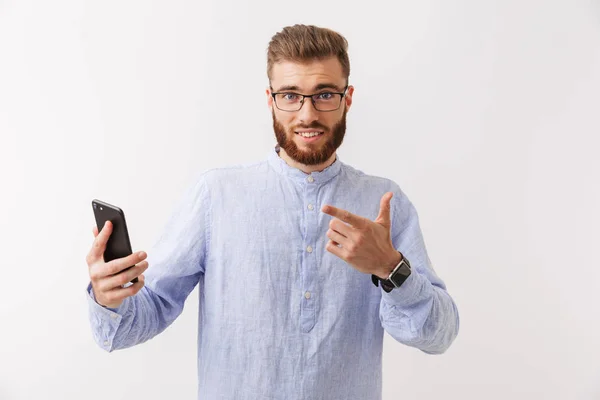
(309,260)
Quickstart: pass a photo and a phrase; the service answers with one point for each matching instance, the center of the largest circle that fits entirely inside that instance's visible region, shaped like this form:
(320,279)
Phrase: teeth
(309,134)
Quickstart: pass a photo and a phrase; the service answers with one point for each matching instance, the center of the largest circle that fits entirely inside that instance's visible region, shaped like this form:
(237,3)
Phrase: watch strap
(386,284)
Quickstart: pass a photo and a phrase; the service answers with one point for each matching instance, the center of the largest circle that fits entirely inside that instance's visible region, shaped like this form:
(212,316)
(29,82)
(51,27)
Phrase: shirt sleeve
(176,263)
(420,313)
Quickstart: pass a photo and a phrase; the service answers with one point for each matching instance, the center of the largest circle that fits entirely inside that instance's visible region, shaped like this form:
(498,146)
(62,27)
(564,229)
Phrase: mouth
(310,136)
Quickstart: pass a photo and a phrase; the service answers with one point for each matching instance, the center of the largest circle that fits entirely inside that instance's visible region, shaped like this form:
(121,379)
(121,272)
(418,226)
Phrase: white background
(487,113)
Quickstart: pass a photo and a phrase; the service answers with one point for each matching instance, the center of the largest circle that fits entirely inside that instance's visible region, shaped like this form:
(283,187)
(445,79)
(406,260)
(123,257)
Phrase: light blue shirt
(280,317)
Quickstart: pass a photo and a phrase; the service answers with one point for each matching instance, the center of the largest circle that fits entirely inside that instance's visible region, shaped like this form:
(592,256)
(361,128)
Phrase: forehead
(307,76)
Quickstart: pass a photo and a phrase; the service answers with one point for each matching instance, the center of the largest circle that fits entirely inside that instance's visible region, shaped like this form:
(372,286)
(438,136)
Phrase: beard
(317,153)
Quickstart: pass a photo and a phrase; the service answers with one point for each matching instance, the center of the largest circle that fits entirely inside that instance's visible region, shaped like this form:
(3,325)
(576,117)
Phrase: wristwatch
(396,278)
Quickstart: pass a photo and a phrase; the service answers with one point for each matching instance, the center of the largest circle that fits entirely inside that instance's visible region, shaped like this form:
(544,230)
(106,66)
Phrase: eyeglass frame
(304,96)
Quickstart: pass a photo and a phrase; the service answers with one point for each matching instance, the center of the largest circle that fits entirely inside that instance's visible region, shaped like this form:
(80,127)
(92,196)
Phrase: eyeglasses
(324,101)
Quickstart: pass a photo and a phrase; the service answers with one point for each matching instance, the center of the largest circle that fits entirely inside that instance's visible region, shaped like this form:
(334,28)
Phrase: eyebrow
(320,86)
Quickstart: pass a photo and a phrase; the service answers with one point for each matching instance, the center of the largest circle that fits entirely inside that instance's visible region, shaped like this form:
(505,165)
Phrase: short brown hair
(301,43)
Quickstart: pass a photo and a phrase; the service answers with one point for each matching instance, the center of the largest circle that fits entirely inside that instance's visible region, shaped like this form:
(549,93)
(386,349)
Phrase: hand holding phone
(111,262)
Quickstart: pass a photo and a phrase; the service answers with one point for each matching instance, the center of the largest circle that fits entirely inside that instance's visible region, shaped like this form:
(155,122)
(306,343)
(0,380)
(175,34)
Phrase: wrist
(385,271)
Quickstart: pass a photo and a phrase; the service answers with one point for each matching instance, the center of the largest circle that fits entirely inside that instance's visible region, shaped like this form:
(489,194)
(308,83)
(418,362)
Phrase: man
(302,261)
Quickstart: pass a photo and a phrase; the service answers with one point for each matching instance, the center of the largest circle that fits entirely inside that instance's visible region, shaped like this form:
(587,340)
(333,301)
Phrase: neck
(303,167)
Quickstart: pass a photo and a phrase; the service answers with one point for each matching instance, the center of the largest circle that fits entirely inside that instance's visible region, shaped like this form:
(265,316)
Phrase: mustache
(311,126)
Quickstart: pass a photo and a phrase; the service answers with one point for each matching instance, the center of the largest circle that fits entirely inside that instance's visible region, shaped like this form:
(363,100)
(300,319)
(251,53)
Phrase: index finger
(346,216)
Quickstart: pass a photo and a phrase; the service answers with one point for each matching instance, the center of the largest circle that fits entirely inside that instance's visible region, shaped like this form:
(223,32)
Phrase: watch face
(400,276)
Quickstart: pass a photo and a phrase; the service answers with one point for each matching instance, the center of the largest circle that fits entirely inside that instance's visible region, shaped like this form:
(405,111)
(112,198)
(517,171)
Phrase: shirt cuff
(105,321)
(406,295)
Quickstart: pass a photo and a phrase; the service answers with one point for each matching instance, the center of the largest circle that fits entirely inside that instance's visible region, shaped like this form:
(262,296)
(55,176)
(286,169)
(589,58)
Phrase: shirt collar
(296,174)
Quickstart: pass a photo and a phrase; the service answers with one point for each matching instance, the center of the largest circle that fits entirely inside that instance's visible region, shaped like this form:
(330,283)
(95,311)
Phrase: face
(314,77)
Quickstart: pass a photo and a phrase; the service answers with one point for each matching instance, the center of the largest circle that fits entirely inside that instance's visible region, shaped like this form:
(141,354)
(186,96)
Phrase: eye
(289,96)
(324,96)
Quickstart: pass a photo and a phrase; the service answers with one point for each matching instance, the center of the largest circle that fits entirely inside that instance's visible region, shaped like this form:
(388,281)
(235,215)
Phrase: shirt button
(106,343)
(310,178)
(113,316)
(307,295)
(309,249)
(311,207)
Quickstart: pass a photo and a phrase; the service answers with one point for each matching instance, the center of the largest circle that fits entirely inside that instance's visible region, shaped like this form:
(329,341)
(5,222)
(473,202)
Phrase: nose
(307,113)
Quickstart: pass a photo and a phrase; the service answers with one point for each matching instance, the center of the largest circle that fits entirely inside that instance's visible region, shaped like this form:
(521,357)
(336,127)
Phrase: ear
(348,98)
(269,98)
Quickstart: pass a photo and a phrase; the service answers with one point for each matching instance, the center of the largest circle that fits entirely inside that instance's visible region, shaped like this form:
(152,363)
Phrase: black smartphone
(118,245)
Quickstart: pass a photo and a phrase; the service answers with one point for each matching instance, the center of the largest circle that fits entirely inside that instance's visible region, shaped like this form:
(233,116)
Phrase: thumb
(384,209)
